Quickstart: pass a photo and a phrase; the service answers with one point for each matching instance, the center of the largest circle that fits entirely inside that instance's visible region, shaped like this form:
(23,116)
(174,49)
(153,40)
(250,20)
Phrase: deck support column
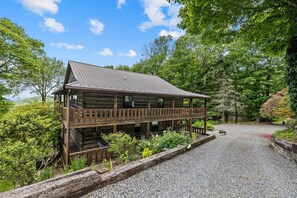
(148,126)
(115,106)
(205,115)
(191,118)
(67,128)
(173,108)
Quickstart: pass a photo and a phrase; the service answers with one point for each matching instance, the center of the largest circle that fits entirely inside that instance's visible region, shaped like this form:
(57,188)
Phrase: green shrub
(142,144)
(200,123)
(289,135)
(6,185)
(46,173)
(77,164)
(147,153)
(193,136)
(290,122)
(110,164)
(125,157)
(170,140)
(28,138)
(159,143)
(120,143)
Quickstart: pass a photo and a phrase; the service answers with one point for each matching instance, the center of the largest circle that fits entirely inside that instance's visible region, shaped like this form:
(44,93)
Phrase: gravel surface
(238,164)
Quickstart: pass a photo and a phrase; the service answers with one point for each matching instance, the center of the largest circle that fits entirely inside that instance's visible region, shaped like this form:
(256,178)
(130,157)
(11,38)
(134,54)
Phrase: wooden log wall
(100,101)
(80,96)
(106,101)
(168,102)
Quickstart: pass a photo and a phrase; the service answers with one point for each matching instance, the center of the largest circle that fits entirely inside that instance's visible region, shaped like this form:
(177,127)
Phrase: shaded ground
(238,164)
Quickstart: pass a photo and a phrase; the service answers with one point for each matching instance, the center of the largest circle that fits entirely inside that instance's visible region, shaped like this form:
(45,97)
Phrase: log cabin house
(96,100)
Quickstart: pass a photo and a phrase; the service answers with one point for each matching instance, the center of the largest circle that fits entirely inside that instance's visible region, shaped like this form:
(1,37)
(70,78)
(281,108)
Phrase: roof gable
(86,76)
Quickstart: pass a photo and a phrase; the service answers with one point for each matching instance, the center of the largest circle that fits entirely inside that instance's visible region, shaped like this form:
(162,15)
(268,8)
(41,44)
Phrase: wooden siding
(71,77)
(100,101)
(106,101)
(80,96)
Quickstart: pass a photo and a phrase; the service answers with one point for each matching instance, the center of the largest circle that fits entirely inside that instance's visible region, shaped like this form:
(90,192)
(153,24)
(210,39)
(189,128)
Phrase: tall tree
(18,52)
(46,77)
(270,24)
(225,100)
(123,67)
(154,55)
(256,75)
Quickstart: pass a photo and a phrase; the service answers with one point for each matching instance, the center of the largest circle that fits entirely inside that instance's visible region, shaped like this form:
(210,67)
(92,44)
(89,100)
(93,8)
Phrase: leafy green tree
(225,100)
(44,78)
(18,54)
(255,75)
(17,50)
(154,55)
(5,104)
(271,25)
(291,73)
(28,141)
(123,67)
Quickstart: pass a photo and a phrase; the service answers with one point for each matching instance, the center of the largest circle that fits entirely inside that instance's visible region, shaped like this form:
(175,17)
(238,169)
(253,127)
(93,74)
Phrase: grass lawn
(288,134)
(6,185)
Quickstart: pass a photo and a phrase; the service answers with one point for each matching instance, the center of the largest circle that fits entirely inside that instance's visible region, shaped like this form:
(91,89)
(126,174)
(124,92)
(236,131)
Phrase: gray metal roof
(92,77)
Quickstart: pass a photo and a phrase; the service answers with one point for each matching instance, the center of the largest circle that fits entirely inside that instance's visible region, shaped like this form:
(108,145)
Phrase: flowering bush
(278,106)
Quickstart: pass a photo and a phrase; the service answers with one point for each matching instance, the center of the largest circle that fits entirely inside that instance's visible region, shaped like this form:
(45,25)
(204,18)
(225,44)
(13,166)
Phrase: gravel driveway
(238,164)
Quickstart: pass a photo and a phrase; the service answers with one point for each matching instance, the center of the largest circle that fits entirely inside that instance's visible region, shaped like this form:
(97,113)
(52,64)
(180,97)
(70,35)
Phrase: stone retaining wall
(285,148)
(81,182)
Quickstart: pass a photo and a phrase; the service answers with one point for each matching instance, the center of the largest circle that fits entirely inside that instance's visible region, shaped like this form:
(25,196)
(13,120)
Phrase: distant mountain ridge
(28,100)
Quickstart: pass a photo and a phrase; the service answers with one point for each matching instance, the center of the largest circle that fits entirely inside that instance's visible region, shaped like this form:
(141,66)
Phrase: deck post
(173,107)
(148,128)
(115,106)
(191,118)
(67,128)
(205,115)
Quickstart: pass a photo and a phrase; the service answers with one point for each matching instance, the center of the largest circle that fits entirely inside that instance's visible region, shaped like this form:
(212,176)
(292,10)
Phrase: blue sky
(101,32)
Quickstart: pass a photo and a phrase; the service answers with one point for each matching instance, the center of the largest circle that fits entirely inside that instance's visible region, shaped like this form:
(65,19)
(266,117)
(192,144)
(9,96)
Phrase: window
(73,101)
(186,102)
(128,102)
(160,102)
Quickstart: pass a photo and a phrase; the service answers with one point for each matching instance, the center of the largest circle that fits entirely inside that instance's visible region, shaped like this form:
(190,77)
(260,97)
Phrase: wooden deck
(83,117)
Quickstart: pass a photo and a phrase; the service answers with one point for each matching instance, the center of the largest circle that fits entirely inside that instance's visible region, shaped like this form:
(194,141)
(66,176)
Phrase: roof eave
(67,87)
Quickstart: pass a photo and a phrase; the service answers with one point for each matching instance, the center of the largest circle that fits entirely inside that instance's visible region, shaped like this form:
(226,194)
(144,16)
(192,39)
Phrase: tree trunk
(43,98)
(236,116)
(291,72)
(226,117)
(257,119)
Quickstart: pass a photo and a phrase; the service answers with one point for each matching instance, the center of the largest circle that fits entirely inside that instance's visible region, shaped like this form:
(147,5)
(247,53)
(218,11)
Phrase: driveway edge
(285,148)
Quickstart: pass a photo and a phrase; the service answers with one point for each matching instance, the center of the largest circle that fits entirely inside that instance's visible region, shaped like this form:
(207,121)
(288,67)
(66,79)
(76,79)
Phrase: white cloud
(157,17)
(175,33)
(130,53)
(120,3)
(105,52)
(41,6)
(96,26)
(67,46)
(53,25)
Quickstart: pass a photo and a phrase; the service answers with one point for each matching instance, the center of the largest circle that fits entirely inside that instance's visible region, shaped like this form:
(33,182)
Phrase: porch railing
(198,130)
(92,155)
(86,116)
